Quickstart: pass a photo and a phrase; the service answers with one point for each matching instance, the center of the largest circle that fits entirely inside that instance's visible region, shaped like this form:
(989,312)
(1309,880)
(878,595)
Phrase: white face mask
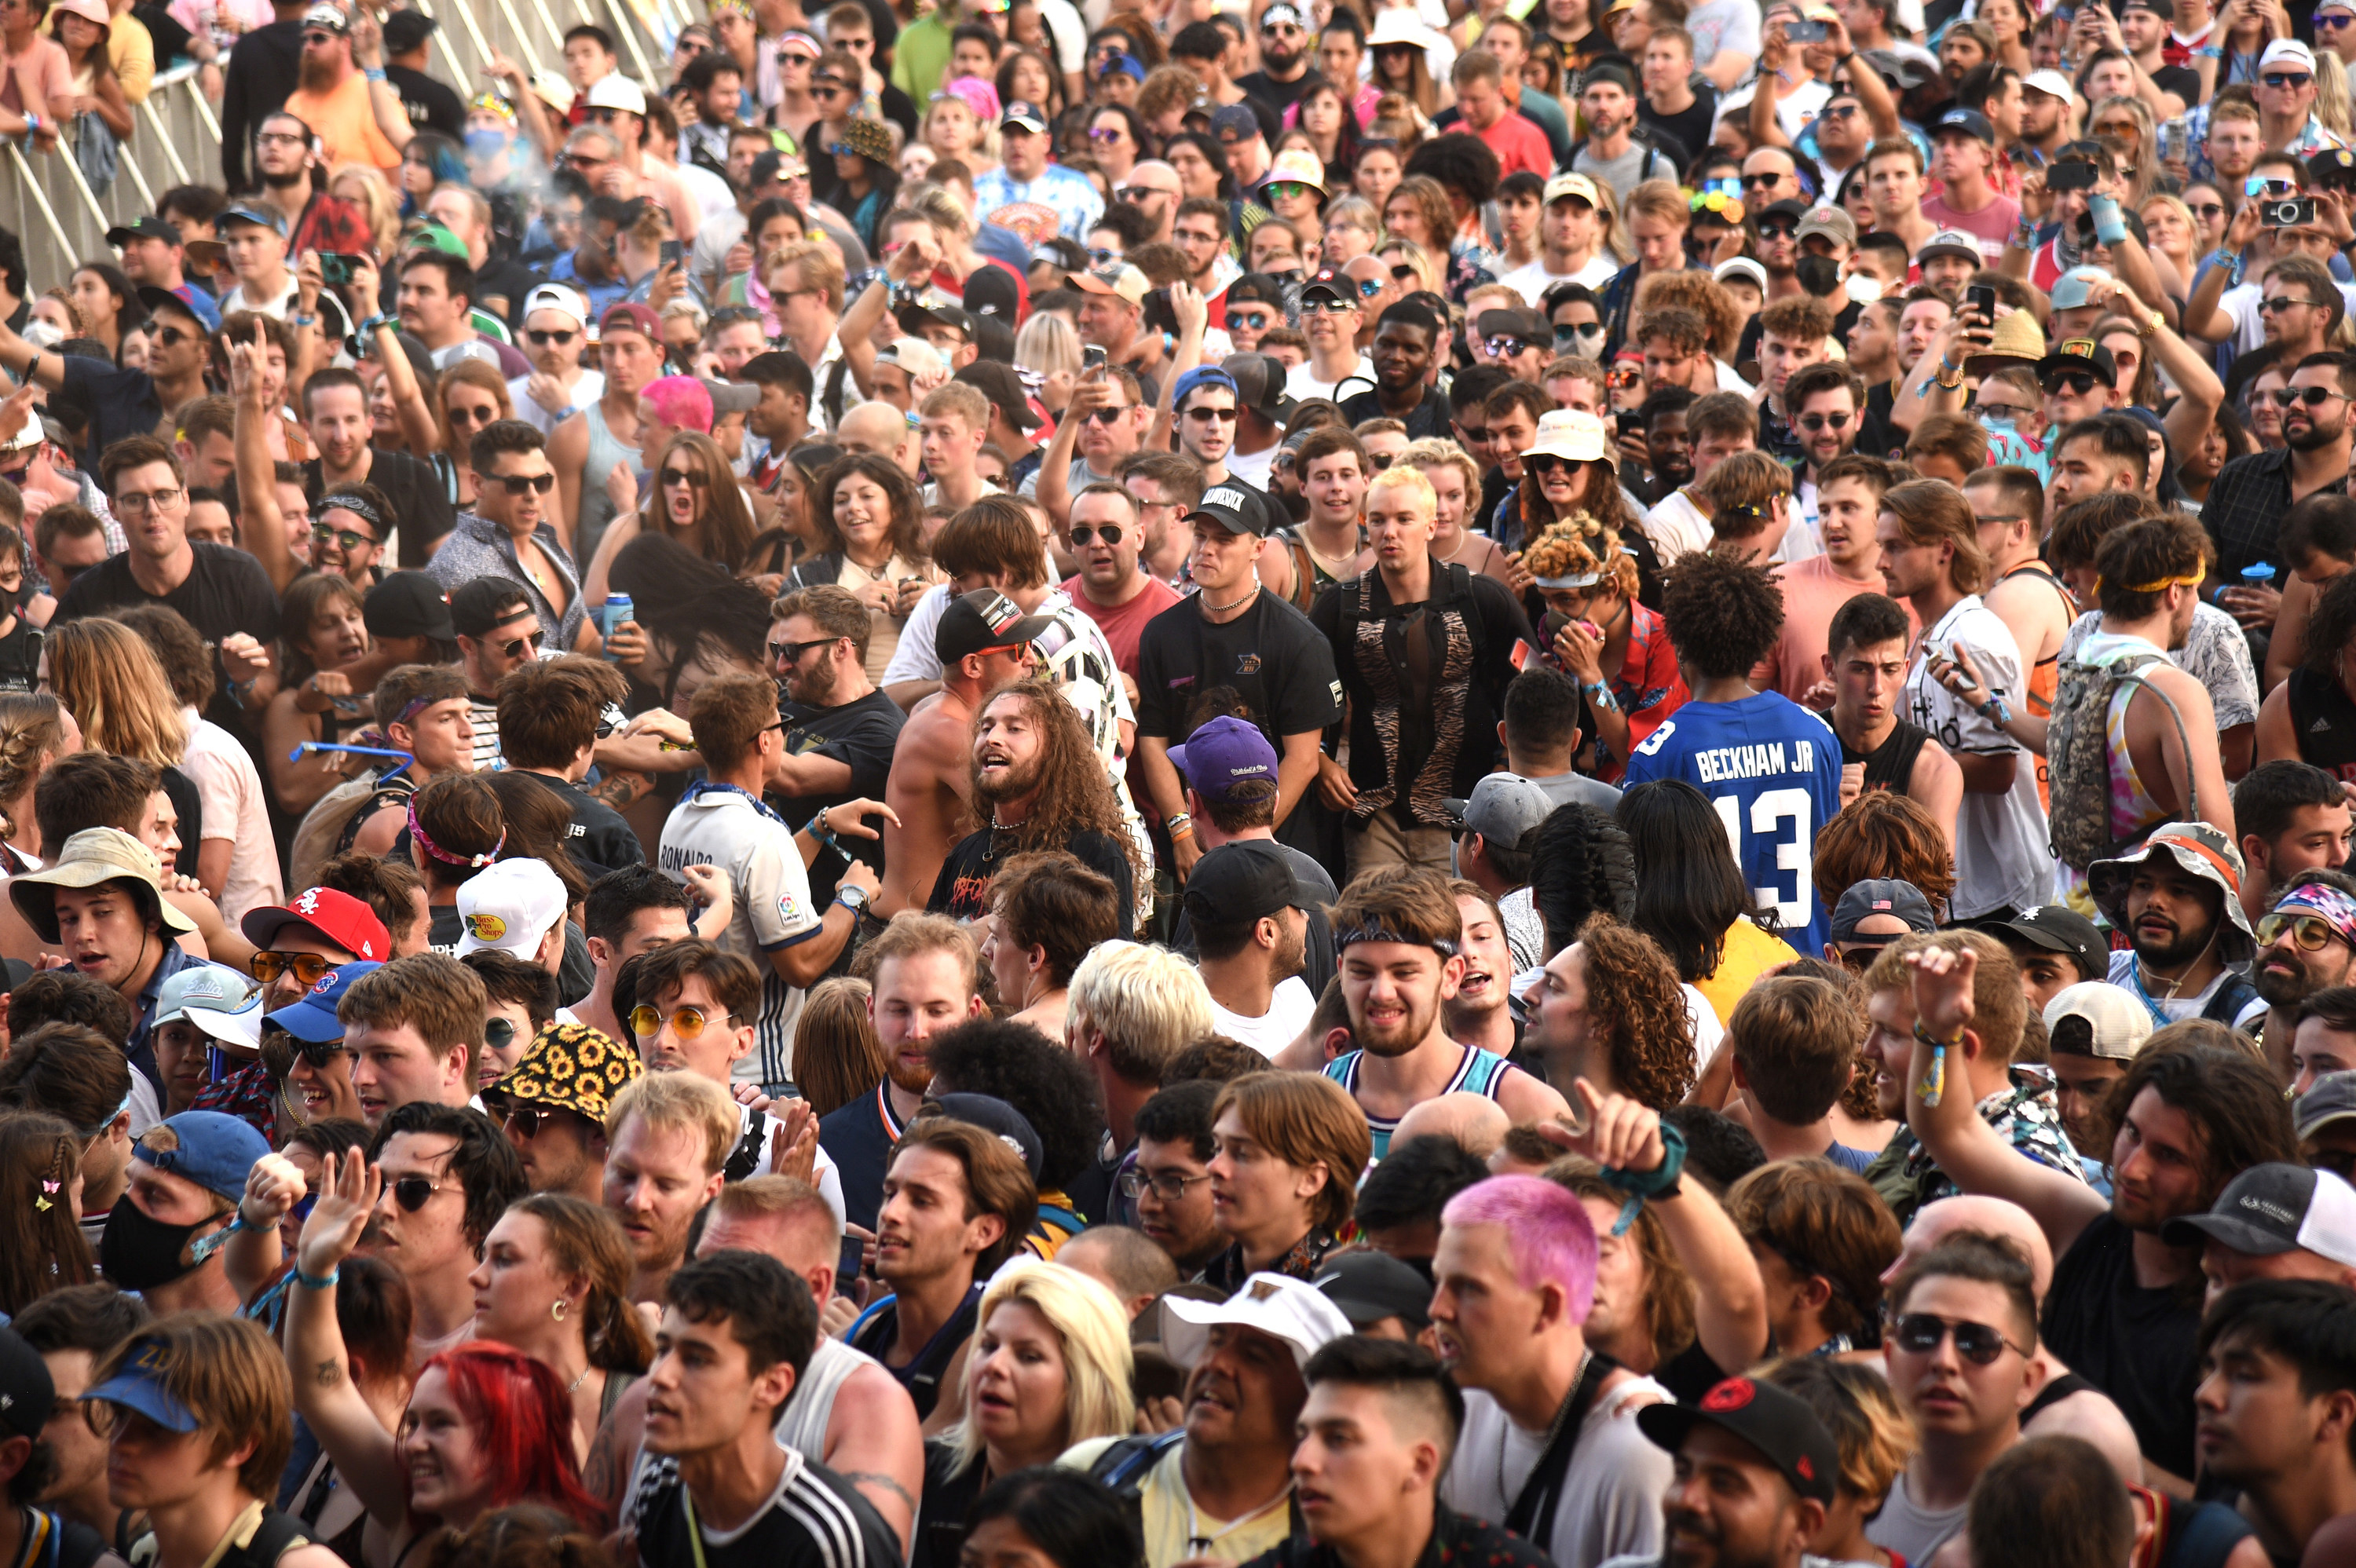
(1863,290)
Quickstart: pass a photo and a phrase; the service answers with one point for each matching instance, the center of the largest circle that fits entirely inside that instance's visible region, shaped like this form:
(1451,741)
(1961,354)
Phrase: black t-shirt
(124,402)
(1427,423)
(1279,96)
(419,502)
(2134,1342)
(818,1520)
(962,889)
(500,288)
(1683,134)
(859,734)
(1875,436)
(432,105)
(1270,655)
(2179,79)
(601,841)
(225,593)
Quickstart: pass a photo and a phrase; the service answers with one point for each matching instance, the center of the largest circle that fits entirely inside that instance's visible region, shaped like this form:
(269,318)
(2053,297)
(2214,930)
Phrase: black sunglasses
(1920,1333)
(2283,396)
(541,339)
(2077,383)
(791,653)
(517,484)
(413,1192)
(1818,422)
(1082,535)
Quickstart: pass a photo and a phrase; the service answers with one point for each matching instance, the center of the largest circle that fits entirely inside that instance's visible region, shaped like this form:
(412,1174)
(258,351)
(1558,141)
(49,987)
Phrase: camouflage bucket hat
(571,1067)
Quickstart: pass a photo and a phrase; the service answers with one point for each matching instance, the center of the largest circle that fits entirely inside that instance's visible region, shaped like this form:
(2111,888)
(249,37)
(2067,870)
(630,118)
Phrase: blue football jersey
(1773,768)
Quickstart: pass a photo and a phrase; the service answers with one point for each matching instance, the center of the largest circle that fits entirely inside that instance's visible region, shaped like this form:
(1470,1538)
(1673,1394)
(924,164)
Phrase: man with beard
(1516,1271)
(2177,896)
(1827,403)
(2306,944)
(1754,1482)
(1245,907)
(1284,74)
(2292,816)
(926,979)
(344,95)
(2250,496)
(282,153)
(957,1204)
(1406,336)
(840,730)
(667,1136)
(983,641)
(1220,1481)
(1668,446)
(1036,773)
(2121,1311)
(1400,934)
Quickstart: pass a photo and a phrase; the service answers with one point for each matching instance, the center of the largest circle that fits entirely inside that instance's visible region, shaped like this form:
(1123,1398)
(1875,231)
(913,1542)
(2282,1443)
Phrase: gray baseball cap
(1504,810)
(1881,895)
(2331,1099)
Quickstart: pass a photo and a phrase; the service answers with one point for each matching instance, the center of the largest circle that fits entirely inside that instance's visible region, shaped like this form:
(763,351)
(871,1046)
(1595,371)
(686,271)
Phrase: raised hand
(349,1190)
(1614,1131)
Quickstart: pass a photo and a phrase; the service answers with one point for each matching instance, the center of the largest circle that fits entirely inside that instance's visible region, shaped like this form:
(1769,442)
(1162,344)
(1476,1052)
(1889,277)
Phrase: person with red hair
(487,1426)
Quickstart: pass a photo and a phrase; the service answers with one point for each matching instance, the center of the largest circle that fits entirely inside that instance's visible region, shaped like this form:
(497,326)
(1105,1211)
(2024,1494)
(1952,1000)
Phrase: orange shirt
(346,123)
(1812,594)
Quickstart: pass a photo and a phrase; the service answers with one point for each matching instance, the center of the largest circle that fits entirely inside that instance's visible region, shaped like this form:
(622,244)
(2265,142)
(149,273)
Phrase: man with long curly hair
(1034,783)
(1772,767)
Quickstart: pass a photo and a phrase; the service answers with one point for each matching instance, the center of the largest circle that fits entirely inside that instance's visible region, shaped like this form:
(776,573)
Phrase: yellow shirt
(345,123)
(1750,953)
(130,50)
(1171,1519)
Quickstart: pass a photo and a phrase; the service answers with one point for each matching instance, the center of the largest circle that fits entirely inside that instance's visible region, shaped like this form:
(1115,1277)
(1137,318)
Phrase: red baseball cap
(339,917)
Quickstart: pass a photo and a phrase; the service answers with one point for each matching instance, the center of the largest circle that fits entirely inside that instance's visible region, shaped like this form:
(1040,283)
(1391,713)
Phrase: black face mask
(1820,275)
(139,1253)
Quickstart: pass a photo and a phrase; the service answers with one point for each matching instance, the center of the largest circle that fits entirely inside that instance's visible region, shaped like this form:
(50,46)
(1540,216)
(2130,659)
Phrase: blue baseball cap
(138,1384)
(1221,753)
(1203,376)
(314,1017)
(215,1151)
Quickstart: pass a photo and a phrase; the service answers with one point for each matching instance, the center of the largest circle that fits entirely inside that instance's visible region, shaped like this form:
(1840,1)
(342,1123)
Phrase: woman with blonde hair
(1048,344)
(1411,265)
(1050,1367)
(696,500)
(554,1283)
(34,731)
(2170,229)
(321,634)
(838,1056)
(1352,228)
(113,685)
(367,189)
(2125,125)
(1456,482)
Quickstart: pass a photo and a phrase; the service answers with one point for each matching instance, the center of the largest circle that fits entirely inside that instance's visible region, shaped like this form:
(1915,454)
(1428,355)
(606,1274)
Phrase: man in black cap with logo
(431,104)
(2273,1221)
(1012,417)
(943,324)
(1231,645)
(1329,315)
(1263,407)
(1254,304)
(1246,910)
(2056,948)
(1755,1476)
(153,256)
(28,1396)
(1382,1297)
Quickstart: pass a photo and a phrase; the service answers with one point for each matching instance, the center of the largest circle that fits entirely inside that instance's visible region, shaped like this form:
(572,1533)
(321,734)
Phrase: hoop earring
(557,1311)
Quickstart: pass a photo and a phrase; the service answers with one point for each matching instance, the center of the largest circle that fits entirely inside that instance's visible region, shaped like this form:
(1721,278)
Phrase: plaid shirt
(2245,505)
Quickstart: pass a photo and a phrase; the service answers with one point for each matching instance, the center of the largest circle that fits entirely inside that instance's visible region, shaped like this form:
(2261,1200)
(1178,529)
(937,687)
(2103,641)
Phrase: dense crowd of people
(1048,785)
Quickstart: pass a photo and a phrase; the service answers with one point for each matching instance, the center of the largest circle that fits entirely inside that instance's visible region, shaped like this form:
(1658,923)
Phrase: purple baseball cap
(1221,753)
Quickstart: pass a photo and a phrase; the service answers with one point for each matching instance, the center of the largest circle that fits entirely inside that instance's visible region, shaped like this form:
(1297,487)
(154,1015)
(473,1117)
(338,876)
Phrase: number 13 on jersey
(1768,811)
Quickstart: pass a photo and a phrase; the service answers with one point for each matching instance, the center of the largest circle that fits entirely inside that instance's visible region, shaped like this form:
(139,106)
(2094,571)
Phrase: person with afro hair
(1056,1091)
(1771,767)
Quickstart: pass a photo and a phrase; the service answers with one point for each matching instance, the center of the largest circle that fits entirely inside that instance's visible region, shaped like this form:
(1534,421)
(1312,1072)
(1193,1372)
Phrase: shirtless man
(2025,594)
(931,765)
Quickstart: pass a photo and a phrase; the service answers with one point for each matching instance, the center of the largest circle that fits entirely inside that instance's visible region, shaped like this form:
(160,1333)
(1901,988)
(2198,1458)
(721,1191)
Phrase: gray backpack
(2078,757)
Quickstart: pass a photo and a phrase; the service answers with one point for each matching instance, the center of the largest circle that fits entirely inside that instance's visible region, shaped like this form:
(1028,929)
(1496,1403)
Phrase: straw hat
(2018,340)
(1575,435)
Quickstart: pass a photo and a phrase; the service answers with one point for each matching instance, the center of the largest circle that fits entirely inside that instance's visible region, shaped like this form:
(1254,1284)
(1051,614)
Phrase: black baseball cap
(1527,324)
(151,227)
(482,606)
(994,291)
(995,1115)
(914,317)
(408,604)
(1002,385)
(1255,288)
(1333,286)
(1369,1287)
(26,1391)
(2057,928)
(1239,882)
(1776,1421)
(1260,383)
(984,619)
(1233,510)
(407,30)
(1964,121)
(1788,208)
(2081,354)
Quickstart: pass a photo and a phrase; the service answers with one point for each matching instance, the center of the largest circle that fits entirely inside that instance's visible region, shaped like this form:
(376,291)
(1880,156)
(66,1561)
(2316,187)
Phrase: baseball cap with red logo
(340,918)
(982,621)
(1776,1421)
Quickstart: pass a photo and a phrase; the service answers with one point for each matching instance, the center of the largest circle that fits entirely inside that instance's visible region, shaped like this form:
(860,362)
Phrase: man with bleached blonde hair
(667,1136)
(1131,1009)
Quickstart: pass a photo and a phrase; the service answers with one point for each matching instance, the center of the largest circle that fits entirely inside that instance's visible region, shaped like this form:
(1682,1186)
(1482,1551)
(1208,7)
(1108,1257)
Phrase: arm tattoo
(878,1478)
(330,1372)
(617,790)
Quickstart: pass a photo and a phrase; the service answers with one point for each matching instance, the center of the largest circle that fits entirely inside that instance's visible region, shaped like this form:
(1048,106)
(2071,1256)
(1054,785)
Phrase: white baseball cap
(557,297)
(2287,51)
(511,906)
(2102,1021)
(2052,83)
(220,1003)
(1292,1310)
(615,91)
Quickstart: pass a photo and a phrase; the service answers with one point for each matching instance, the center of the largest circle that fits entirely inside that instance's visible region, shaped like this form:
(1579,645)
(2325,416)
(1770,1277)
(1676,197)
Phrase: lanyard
(1199,1544)
(709,787)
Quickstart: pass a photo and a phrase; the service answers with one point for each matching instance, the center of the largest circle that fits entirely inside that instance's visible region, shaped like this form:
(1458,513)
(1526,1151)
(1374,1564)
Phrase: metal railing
(46,203)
